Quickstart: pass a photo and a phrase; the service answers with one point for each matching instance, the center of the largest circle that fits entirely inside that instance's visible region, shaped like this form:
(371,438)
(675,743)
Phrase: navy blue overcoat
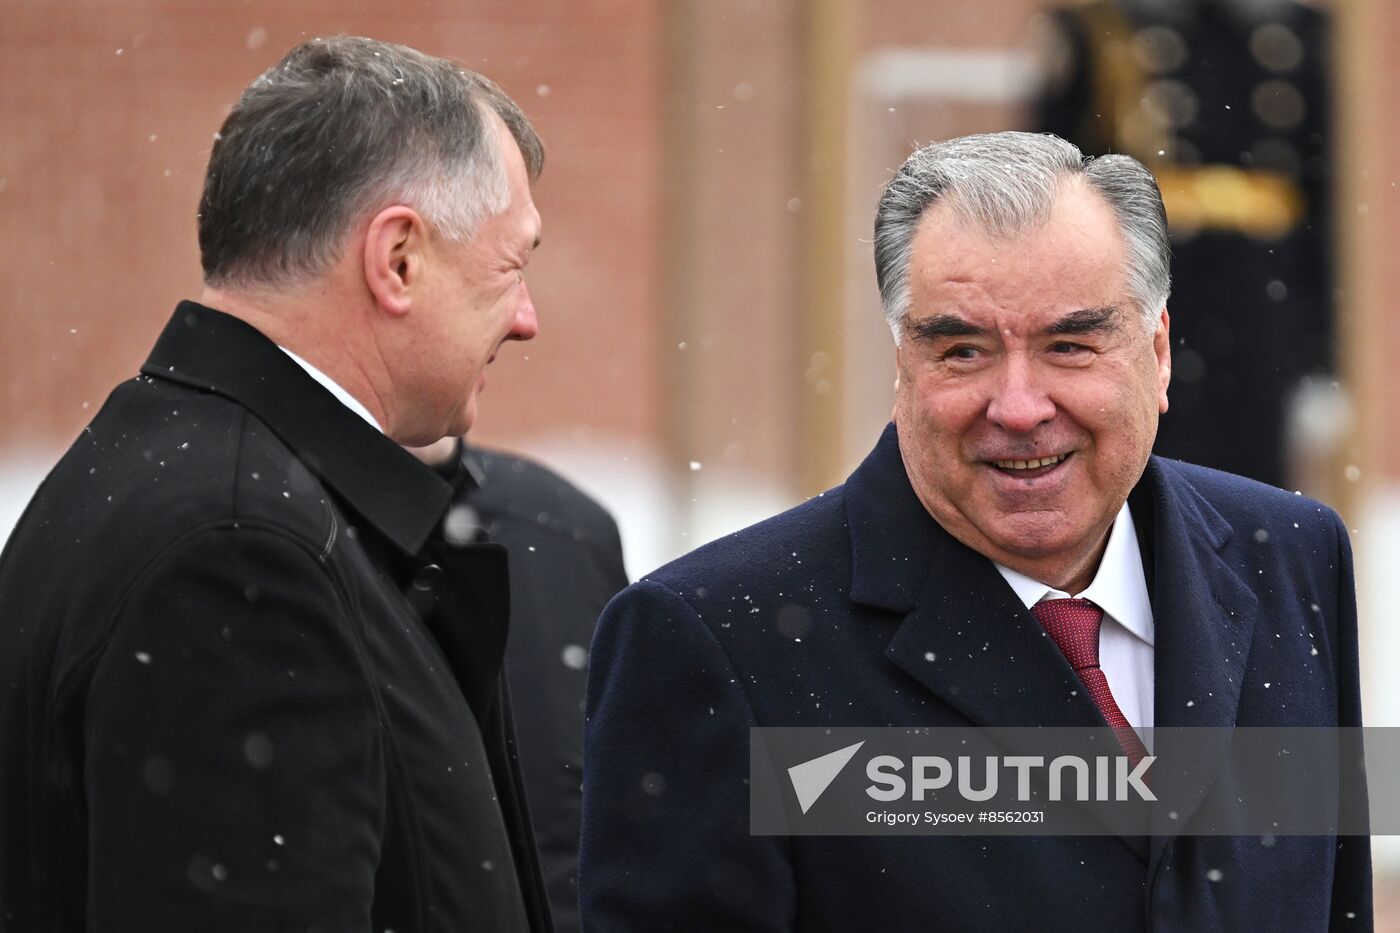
(829,614)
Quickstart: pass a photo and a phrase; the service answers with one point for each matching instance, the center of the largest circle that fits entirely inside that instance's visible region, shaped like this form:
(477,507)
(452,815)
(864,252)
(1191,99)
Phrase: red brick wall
(108,112)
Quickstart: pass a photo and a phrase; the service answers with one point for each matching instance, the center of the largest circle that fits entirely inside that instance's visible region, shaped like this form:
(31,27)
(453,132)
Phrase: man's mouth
(1029,469)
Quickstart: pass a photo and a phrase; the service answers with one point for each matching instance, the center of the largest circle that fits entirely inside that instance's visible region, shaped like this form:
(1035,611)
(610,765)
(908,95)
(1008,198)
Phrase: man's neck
(310,322)
(1072,575)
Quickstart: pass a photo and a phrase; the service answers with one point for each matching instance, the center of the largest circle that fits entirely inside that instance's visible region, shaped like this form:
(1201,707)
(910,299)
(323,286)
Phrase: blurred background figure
(1227,102)
(565,564)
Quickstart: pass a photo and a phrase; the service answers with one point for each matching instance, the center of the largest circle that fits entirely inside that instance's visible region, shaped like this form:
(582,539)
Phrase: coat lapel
(1204,616)
(965,635)
(460,592)
(967,639)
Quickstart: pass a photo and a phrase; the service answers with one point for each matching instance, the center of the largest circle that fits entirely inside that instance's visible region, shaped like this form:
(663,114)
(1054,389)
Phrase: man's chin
(465,417)
(1032,535)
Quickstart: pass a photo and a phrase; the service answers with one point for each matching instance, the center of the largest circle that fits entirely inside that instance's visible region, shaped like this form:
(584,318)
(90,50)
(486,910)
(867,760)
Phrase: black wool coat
(242,685)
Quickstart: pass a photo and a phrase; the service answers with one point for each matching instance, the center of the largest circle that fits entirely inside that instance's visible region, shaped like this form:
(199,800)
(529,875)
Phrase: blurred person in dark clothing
(565,564)
(1227,103)
(245,683)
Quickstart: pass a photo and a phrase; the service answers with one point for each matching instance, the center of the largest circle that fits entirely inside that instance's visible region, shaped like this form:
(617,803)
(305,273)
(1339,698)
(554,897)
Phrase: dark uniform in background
(1226,101)
(565,564)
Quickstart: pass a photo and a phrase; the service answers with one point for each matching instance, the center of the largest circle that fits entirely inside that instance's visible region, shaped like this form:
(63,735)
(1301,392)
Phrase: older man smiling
(1010,554)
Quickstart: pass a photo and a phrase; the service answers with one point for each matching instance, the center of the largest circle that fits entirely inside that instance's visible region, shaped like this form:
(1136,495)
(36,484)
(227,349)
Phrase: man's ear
(395,244)
(1162,349)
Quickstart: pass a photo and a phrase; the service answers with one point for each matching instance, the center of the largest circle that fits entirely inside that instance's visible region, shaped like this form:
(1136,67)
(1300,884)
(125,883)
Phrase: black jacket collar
(378,479)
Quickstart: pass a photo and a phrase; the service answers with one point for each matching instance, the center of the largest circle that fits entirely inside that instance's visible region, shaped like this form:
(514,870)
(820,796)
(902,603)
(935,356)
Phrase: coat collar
(968,639)
(216,352)
(965,635)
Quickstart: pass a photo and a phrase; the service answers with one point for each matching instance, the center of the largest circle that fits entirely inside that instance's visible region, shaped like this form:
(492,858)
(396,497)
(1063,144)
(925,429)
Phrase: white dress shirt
(1119,588)
(333,387)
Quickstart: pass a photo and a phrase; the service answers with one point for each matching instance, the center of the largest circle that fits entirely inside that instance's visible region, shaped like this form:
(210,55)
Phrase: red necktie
(1074,625)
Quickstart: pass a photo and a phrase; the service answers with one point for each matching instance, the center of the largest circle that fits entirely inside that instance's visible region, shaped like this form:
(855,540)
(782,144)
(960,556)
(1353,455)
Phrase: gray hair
(1006,183)
(341,128)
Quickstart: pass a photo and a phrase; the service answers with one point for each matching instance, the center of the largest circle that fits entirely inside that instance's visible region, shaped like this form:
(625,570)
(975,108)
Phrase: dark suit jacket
(826,615)
(240,687)
(565,564)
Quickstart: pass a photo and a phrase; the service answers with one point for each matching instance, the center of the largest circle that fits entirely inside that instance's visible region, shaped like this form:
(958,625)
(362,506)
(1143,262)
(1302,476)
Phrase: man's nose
(526,324)
(1019,402)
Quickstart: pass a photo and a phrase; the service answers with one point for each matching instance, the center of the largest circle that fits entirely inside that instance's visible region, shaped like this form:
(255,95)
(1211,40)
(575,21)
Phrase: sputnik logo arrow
(811,778)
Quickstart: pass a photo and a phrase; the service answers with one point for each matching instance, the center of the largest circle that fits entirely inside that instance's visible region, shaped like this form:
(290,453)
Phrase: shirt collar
(334,388)
(1119,587)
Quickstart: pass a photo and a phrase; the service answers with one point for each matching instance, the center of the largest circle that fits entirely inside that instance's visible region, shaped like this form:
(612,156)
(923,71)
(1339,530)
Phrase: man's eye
(1064,346)
(963,352)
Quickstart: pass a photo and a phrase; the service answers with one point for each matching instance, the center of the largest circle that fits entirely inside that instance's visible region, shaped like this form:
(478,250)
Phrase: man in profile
(1009,554)
(243,686)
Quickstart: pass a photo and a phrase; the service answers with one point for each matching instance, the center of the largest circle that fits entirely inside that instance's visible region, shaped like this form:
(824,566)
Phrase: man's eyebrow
(941,325)
(1104,319)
